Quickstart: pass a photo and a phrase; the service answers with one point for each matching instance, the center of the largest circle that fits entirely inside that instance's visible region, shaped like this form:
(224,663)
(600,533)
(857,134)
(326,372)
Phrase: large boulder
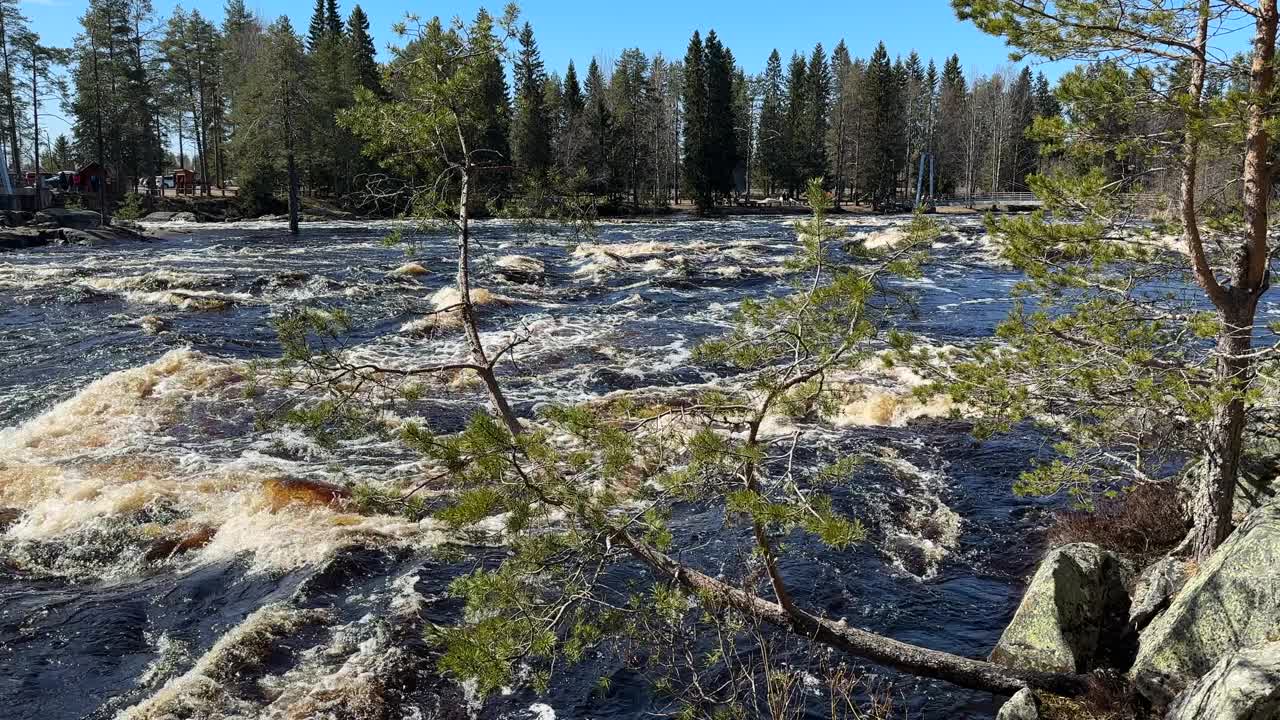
(1024,705)
(1241,686)
(281,492)
(1154,590)
(165,216)
(1231,602)
(520,268)
(1076,599)
(69,218)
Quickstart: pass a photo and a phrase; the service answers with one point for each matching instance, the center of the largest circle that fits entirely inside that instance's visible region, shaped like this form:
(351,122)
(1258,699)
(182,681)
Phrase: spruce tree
(771,131)
(952,125)
(332,18)
(885,128)
(530,132)
(696,146)
(318,30)
(597,122)
(721,138)
(571,143)
(818,77)
(794,132)
(361,52)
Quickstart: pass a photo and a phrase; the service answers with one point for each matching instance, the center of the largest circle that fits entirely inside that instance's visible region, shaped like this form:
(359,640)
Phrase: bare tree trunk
(962,671)
(467,310)
(294,200)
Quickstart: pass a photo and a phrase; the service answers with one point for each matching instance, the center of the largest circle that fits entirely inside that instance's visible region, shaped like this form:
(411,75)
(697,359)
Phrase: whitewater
(129,404)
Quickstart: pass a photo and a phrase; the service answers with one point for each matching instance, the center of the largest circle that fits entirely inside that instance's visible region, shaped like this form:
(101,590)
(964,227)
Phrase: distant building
(90,177)
(184,181)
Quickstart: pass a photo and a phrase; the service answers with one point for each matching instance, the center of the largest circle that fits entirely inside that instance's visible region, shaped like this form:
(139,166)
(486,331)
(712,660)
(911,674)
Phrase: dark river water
(128,403)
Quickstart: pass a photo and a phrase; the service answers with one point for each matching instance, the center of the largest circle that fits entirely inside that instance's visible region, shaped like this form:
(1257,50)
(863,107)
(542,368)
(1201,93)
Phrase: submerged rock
(520,268)
(8,517)
(1075,600)
(152,324)
(167,547)
(1242,686)
(409,269)
(1154,589)
(1232,602)
(1024,705)
(287,491)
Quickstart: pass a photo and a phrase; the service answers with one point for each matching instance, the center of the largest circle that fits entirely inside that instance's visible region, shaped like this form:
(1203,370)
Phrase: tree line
(245,100)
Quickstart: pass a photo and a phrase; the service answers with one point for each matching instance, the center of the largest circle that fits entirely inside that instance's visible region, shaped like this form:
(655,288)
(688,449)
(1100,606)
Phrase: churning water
(128,405)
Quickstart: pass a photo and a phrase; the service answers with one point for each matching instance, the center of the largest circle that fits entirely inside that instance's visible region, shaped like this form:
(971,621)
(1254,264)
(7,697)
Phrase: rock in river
(1075,601)
(520,268)
(286,491)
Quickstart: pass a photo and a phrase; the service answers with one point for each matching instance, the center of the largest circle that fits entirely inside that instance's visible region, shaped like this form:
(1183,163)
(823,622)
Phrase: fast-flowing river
(128,400)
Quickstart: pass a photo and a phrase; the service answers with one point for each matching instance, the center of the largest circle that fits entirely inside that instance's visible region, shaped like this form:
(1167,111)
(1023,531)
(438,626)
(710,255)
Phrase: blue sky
(582,29)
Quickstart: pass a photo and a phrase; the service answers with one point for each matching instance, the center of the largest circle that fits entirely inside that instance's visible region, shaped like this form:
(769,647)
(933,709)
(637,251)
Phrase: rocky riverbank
(1175,639)
(58,226)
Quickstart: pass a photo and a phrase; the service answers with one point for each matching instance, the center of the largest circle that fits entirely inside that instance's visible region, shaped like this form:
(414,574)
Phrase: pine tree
(13,26)
(841,122)
(531,139)
(696,147)
(628,88)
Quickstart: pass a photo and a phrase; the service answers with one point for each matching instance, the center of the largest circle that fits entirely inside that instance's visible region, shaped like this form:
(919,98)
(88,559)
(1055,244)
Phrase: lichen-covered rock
(1231,602)
(1076,598)
(1024,705)
(1242,686)
(1154,589)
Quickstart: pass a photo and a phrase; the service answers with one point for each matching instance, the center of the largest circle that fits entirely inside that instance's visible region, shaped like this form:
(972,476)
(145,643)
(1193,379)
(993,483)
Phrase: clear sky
(582,29)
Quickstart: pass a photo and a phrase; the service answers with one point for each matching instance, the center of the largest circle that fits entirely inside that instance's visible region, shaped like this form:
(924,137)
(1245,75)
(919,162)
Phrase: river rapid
(128,401)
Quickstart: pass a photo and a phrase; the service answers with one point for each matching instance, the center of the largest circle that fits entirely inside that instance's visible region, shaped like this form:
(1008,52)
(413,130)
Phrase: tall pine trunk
(1236,302)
